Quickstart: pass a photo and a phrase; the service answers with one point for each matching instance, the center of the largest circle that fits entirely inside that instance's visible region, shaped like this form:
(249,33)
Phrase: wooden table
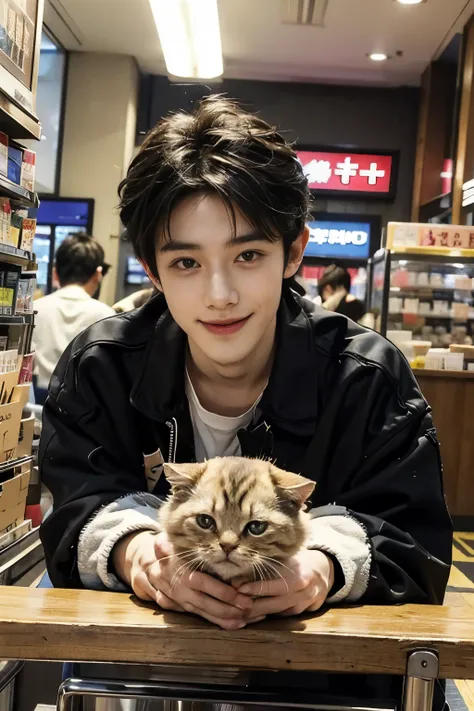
(40,624)
(451,395)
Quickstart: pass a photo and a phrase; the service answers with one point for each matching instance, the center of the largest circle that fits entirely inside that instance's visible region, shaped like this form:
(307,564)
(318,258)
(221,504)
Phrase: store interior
(377,97)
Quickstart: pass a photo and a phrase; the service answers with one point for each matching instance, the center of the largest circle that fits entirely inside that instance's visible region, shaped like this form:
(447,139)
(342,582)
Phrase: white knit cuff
(346,539)
(134,512)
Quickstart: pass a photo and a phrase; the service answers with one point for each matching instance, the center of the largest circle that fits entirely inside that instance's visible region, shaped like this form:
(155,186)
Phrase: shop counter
(421,643)
(84,625)
(451,396)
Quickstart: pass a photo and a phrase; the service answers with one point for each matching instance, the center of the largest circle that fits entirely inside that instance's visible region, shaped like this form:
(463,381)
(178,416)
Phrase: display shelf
(16,122)
(13,255)
(417,288)
(439,317)
(17,193)
(11,463)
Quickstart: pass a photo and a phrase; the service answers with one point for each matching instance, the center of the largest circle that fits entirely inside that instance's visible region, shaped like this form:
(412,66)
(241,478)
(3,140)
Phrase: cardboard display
(25,441)
(13,495)
(10,415)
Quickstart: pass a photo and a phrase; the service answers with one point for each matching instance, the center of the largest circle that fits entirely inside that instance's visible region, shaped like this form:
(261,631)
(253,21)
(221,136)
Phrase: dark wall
(358,117)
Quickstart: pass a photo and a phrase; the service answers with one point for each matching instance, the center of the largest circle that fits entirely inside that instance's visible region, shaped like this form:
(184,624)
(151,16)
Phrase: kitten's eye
(257,528)
(205,522)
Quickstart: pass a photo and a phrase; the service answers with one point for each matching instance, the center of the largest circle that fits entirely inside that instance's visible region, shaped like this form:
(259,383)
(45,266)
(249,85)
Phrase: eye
(256,528)
(205,522)
(185,264)
(250,256)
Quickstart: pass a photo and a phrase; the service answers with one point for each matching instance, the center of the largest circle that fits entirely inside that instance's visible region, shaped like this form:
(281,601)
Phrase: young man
(334,289)
(228,360)
(79,265)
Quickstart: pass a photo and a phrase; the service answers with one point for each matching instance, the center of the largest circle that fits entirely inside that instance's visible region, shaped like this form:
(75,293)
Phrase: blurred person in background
(134,301)
(334,289)
(79,270)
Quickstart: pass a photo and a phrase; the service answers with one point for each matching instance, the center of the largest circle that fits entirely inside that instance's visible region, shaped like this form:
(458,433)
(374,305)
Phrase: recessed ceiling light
(378,56)
(410,2)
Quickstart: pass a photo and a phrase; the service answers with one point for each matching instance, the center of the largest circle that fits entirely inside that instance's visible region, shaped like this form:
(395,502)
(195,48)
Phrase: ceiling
(257,45)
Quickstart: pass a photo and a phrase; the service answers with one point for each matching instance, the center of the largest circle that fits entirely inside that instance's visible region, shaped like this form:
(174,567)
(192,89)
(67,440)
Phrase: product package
(13,336)
(3,154)
(27,234)
(28,168)
(15,158)
(9,277)
(26,290)
(5,219)
(16,224)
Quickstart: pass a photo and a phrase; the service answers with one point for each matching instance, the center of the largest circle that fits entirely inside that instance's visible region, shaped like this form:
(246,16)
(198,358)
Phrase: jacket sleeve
(90,453)
(379,465)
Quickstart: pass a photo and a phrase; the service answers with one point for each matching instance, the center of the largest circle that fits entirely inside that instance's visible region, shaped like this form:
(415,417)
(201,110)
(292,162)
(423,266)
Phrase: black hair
(77,259)
(220,149)
(335,276)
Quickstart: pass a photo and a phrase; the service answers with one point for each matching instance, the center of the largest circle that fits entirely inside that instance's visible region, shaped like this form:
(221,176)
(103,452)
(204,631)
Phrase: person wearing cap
(64,314)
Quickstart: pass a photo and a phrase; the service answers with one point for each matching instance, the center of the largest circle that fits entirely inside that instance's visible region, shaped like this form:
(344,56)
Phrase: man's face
(327,292)
(222,290)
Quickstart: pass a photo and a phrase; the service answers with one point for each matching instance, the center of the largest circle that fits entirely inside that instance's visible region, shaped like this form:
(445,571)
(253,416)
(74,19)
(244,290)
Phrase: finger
(270,588)
(218,590)
(143,588)
(211,606)
(301,600)
(167,603)
(304,607)
(163,547)
(226,623)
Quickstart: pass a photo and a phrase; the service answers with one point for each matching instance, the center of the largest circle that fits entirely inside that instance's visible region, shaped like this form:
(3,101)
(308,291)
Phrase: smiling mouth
(225,327)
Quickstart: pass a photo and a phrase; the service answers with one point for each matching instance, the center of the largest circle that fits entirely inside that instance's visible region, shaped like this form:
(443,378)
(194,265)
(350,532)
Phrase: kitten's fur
(234,491)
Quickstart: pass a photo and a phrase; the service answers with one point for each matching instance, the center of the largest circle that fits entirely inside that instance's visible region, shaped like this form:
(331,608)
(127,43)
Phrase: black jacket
(342,407)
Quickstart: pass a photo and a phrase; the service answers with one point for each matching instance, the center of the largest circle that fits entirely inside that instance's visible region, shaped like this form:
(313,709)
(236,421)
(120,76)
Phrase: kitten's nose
(228,547)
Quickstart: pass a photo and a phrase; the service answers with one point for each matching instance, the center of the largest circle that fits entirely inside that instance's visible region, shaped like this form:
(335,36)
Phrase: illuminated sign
(364,174)
(338,240)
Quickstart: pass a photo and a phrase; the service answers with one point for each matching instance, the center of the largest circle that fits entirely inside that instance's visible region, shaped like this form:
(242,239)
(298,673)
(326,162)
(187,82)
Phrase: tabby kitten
(235,518)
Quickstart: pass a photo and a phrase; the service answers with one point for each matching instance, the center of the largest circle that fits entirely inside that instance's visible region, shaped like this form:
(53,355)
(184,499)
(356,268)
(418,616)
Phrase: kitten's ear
(182,474)
(298,486)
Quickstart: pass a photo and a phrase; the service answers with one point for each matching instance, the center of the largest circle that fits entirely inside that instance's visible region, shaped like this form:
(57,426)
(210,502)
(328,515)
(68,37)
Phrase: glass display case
(428,295)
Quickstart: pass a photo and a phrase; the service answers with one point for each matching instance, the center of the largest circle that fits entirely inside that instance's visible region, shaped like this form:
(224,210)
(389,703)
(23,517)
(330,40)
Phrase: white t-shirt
(61,317)
(215,435)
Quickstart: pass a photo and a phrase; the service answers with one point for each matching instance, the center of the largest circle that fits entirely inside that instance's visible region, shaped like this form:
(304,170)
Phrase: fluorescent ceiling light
(378,56)
(410,2)
(190,37)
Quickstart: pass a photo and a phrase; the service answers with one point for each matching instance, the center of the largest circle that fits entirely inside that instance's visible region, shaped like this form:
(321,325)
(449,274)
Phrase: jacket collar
(308,340)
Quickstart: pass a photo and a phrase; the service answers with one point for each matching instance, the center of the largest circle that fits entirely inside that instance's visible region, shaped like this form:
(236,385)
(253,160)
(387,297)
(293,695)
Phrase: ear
(182,474)
(295,255)
(156,282)
(297,486)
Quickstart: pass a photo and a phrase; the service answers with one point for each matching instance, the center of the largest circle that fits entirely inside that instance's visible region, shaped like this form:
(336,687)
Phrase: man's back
(61,317)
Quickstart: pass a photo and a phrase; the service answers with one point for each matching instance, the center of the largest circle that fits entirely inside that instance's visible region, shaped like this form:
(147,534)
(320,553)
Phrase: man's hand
(146,561)
(304,585)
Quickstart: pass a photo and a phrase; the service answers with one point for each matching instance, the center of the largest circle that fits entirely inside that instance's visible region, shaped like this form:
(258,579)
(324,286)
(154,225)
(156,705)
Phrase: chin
(226,570)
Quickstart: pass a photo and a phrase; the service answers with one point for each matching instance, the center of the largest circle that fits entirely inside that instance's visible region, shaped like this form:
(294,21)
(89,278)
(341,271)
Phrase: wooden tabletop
(104,627)
(456,374)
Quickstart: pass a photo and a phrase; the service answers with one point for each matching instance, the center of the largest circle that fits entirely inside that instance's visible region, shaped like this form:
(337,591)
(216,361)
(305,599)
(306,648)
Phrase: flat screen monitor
(339,240)
(135,273)
(67,212)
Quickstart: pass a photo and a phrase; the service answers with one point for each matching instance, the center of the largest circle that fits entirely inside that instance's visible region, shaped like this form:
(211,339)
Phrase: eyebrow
(179,246)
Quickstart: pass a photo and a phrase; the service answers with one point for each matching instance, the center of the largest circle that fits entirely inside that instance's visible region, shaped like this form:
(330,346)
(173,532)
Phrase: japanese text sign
(348,172)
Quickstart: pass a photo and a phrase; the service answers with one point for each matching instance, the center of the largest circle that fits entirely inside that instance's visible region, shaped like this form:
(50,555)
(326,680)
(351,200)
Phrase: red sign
(348,172)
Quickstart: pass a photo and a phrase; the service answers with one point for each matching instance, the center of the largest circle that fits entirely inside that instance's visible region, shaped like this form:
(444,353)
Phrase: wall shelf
(17,193)
(13,255)
(16,122)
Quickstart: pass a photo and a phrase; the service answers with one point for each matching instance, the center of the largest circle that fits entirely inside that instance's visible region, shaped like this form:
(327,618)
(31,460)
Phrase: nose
(228,547)
(221,292)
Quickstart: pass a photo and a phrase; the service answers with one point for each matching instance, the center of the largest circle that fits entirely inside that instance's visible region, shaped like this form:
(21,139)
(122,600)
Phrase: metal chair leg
(422,672)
